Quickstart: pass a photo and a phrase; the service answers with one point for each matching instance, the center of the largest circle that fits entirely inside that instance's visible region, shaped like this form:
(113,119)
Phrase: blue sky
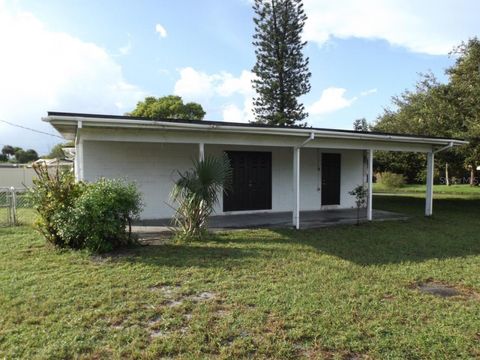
(104,56)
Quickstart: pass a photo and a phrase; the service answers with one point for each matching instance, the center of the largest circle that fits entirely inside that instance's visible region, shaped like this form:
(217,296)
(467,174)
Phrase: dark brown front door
(251,181)
(331,179)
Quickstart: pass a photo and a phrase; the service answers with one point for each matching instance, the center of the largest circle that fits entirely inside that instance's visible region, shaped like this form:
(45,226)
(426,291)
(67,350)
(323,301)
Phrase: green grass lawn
(25,216)
(342,292)
(437,189)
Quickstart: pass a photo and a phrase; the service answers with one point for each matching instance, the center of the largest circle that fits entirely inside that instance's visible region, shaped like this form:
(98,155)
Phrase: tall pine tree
(281,70)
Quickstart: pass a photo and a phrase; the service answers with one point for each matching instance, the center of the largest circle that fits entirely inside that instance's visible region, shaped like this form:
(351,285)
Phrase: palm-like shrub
(196,193)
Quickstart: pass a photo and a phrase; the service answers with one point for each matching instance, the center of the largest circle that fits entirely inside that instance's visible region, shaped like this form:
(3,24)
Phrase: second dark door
(331,179)
(251,181)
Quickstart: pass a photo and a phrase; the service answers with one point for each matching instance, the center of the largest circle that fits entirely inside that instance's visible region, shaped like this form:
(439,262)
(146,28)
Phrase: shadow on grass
(453,231)
(185,255)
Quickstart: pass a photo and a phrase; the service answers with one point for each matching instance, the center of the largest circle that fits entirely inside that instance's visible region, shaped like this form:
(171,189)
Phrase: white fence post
(13,207)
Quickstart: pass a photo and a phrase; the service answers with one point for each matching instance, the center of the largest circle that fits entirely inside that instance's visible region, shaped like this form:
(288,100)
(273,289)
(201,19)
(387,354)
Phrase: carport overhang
(94,127)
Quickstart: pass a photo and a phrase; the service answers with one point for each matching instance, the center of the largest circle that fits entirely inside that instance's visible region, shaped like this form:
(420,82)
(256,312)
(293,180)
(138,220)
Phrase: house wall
(153,166)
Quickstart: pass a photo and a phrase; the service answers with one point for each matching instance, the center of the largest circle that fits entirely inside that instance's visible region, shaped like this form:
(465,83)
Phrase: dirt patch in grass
(203,296)
(316,352)
(444,290)
(166,289)
(175,297)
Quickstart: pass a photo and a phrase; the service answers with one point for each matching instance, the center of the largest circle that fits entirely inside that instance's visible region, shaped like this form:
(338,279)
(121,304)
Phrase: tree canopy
(361,125)
(25,156)
(8,150)
(450,109)
(281,70)
(168,107)
(16,154)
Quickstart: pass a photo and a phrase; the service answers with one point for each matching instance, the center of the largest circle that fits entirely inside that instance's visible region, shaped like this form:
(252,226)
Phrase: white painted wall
(153,166)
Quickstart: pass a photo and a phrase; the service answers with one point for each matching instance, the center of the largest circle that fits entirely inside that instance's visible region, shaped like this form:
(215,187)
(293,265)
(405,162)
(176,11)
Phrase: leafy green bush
(53,196)
(422,177)
(91,216)
(391,180)
(101,215)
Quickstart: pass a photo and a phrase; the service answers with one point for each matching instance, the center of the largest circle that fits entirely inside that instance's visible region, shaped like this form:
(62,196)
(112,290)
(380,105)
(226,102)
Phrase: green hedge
(94,216)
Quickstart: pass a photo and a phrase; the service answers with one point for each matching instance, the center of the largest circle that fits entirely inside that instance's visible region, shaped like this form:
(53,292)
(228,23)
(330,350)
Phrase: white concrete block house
(276,169)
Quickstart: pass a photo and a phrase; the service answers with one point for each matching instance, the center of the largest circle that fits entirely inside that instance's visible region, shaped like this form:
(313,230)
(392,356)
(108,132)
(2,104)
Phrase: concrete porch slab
(308,220)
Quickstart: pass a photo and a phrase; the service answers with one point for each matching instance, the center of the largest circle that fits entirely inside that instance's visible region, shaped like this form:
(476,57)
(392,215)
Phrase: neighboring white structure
(21,176)
(275,168)
(53,163)
(18,176)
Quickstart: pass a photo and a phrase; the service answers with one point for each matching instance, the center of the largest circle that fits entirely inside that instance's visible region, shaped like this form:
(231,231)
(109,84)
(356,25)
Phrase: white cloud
(332,99)
(127,48)
(369,92)
(233,113)
(428,26)
(207,89)
(195,84)
(161,30)
(231,85)
(42,70)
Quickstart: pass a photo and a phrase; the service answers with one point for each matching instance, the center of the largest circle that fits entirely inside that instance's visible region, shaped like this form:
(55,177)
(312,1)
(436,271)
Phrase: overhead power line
(30,129)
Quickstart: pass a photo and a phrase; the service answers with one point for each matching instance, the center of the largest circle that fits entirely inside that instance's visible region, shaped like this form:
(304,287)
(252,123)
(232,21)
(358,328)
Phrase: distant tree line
(450,110)
(16,154)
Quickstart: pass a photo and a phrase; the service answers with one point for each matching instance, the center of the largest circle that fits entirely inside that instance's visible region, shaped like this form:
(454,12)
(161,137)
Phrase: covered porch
(283,176)
(309,220)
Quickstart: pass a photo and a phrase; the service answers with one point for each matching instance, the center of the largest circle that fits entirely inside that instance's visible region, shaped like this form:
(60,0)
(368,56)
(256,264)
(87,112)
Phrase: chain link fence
(15,207)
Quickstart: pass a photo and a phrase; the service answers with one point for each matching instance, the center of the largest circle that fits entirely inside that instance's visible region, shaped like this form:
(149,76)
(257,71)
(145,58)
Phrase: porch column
(429,193)
(78,160)
(201,151)
(370,187)
(296,188)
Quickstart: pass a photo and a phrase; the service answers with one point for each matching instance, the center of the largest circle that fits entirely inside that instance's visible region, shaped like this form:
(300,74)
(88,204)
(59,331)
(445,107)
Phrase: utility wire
(30,129)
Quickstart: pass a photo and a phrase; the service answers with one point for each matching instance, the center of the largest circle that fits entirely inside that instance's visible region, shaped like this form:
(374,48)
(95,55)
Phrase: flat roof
(209,123)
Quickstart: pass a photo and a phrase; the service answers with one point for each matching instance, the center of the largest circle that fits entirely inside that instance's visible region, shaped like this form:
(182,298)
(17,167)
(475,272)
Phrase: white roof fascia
(153,124)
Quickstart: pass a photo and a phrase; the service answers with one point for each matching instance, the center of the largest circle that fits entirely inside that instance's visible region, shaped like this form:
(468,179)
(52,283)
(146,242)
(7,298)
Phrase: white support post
(429,193)
(370,186)
(201,151)
(296,188)
(78,160)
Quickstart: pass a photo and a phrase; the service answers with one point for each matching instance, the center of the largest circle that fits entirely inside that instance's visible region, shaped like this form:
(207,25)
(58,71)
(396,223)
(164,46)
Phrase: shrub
(196,193)
(53,196)
(422,177)
(101,215)
(391,180)
(84,216)
(360,193)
